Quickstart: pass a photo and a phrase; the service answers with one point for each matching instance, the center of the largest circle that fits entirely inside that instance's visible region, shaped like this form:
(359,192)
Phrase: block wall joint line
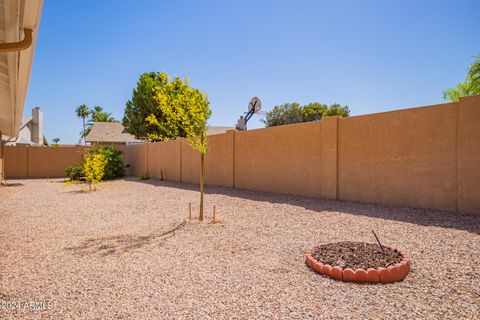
(337,151)
(458,106)
(180,159)
(233,159)
(146,160)
(28,161)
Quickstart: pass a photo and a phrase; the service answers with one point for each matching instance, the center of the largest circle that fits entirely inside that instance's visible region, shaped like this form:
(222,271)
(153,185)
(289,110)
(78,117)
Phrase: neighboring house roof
(115,132)
(109,132)
(211,130)
(15,67)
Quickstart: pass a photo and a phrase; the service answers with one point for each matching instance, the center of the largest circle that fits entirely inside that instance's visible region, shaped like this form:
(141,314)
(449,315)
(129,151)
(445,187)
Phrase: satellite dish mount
(254,106)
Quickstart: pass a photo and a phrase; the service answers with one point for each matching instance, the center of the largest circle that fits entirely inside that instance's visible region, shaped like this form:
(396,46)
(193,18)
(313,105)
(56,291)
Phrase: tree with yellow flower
(163,109)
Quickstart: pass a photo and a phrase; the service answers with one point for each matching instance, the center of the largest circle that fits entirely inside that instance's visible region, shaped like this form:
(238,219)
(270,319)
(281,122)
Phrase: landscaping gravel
(105,255)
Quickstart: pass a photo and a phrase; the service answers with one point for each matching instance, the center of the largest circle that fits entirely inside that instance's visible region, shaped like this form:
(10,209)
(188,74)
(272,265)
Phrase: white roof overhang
(15,66)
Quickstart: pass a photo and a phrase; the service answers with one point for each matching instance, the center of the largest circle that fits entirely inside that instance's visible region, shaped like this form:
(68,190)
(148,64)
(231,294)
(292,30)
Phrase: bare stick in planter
(213,219)
(190,211)
(381,247)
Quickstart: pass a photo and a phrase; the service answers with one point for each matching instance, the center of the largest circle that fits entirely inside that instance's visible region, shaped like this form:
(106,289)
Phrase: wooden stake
(190,211)
(213,219)
(381,247)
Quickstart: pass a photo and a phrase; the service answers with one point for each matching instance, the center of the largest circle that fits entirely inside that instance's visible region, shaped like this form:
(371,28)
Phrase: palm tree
(83,113)
(98,115)
(97,110)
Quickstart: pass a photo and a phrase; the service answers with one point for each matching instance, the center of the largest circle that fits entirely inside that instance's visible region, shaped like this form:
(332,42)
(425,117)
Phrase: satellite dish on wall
(255,105)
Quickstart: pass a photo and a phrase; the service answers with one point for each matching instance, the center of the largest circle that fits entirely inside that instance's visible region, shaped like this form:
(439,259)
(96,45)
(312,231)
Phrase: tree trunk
(83,133)
(202,182)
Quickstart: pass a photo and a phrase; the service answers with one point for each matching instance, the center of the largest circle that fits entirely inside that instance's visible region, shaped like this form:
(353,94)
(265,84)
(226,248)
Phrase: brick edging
(394,273)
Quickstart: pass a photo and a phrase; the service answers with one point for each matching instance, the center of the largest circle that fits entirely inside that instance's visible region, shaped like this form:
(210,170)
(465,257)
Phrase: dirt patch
(356,255)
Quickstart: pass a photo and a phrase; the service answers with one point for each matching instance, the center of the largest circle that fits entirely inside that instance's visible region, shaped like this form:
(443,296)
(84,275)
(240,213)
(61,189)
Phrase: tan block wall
(51,162)
(39,162)
(421,157)
(328,158)
(284,159)
(406,157)
(16,162)
(136,158)
(190,164)
(469,154)
(164,157)
(218,161)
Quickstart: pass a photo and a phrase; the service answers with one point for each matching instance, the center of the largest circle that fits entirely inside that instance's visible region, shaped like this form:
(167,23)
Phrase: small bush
(144,176)
(94,168)
(114,158)
(75,171)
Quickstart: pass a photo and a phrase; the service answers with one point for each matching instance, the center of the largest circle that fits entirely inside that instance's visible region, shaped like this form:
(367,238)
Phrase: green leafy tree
(171,109)
(337,110)
(470,86)
(286,113)
(143,104)
(294,113)
(83,112)
(313,111)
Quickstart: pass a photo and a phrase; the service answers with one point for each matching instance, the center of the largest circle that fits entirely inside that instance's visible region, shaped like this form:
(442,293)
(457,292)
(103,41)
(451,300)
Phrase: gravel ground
(102,255)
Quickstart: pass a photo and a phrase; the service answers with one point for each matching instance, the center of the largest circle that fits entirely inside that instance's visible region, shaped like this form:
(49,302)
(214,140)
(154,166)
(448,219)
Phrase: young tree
(171,109)
(83,112)
(470,86)
(94,169)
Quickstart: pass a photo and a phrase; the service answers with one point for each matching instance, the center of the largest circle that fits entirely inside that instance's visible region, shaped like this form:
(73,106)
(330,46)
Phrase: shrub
(144,176)
(94,167)
(75,171)
(114,167)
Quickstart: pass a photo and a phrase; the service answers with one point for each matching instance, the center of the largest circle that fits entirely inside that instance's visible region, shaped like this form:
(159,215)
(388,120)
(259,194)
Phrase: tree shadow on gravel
(419,216)
(77,191)
(12,184)
(122,243)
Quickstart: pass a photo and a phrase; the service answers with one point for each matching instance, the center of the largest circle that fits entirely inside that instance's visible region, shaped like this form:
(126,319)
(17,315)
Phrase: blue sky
(370,55)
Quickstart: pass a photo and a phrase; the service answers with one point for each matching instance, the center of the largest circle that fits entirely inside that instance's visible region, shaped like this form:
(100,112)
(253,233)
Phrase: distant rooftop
(115,132)
(211,130)
(109,132)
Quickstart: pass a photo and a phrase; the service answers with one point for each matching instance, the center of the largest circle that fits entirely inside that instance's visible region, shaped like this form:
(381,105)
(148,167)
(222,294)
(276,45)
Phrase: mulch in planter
(356,255)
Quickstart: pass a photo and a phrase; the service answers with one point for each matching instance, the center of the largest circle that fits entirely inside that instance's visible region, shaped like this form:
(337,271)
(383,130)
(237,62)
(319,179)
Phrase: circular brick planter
(394,273)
